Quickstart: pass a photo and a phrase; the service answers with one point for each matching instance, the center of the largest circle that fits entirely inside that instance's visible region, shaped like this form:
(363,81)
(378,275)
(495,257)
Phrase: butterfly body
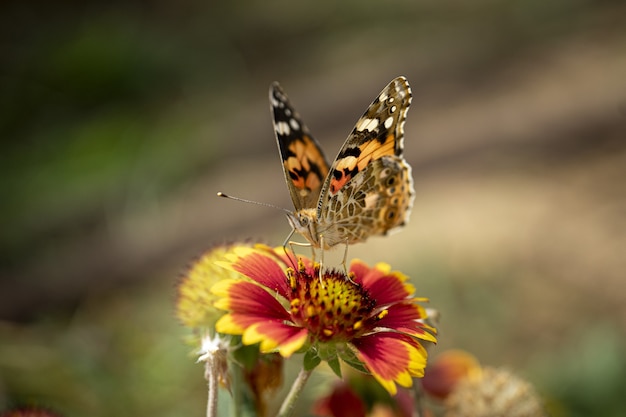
(368,189)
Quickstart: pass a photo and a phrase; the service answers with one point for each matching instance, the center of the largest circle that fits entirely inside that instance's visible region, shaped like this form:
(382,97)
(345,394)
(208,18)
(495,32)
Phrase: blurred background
(121,120)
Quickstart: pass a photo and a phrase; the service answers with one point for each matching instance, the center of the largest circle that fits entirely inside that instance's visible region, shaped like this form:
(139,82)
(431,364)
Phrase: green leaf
(350,358)
(311,360)
(335,365)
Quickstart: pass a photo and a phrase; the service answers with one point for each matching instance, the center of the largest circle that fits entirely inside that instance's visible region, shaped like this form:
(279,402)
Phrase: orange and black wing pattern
(304,163)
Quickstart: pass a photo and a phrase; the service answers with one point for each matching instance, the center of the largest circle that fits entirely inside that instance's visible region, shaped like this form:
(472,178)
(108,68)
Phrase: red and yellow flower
(368,317)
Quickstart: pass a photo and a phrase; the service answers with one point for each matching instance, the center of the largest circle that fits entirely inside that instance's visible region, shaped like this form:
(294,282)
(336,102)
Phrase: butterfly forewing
(369,190)
(379,132)
(304,163)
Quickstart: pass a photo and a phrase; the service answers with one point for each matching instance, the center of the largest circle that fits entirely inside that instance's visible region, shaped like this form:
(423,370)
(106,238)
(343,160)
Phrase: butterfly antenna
(243,200)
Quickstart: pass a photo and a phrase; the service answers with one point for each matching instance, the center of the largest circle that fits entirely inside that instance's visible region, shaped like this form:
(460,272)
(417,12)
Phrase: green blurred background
(121,120)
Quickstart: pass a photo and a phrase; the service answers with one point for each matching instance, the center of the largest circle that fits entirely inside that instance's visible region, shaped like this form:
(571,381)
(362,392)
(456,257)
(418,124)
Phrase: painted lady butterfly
(367,191)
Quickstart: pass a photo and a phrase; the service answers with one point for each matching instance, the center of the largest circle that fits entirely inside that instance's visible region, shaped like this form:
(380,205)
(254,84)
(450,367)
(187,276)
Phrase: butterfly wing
(304,163)
(369,190)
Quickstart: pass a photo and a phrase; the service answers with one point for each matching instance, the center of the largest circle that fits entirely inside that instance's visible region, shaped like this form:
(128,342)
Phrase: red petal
(360,270)
(276,335)
(263,270)
(248,299)
(404,318)
(391,357)
(386,289)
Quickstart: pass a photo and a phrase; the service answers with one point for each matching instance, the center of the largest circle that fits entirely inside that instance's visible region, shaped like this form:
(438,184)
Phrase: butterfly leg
(344,262)
(321,259)
(291,244)
(287,241)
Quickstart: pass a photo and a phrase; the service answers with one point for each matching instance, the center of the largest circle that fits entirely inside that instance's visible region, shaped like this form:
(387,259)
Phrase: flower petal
(391,358)
(263,269)
(250,300)
(195,304)
(384,285)
(277,336)
(405,318)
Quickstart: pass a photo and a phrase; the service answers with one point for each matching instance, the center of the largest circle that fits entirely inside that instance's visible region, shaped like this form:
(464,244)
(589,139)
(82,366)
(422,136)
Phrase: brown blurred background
(120,122)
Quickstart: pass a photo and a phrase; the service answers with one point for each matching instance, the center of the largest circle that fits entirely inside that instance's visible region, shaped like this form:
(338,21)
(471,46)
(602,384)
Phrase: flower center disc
(331,308)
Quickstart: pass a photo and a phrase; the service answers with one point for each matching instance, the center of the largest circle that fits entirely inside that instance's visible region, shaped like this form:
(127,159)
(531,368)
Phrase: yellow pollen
(358,325)
(327,332)
(310,311)
(383,314)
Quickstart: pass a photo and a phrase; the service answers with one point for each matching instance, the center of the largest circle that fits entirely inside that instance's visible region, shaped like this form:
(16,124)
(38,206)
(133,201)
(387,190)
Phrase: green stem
(290,400)
(236,391)
(418,399)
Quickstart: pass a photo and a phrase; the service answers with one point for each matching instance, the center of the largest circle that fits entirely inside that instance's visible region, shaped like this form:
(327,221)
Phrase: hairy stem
(210,374)
(290,400)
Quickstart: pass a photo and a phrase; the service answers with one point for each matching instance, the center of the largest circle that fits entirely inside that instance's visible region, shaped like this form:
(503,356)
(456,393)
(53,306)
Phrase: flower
(194,306)
(447,370)
(367,317)
(360,396)
(494,392)
(468,389)
(342,401)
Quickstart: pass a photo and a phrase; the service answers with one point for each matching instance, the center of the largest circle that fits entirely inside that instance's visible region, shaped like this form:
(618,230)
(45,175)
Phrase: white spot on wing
(367,124)
(282,128)
(388,122)
(294,124)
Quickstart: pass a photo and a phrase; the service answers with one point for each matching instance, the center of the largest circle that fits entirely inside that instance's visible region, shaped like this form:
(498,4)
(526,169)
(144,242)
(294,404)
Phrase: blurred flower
(447,370)
(494,392)
(195,304)
(470,390)
(369,318)
(342,401)
(356,396)
(195,309)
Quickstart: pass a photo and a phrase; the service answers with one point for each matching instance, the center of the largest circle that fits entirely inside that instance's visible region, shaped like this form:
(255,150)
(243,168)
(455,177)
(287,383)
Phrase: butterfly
(368,189)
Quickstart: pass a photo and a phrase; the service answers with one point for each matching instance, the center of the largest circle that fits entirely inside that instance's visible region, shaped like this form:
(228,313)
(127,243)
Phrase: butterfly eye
(304,220)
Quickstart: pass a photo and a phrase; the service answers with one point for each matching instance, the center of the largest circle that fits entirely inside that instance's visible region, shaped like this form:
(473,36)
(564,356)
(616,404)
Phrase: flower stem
(210,374)
(290,400)
(418,399)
